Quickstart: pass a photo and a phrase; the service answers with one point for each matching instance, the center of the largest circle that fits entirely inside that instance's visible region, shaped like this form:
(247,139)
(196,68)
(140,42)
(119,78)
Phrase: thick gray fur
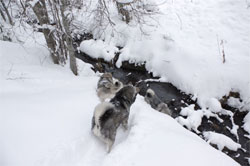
(152,99)
(108,116)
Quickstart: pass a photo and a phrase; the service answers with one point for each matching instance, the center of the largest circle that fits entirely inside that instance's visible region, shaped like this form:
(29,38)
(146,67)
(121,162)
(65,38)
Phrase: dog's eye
(149,95)
(116,83)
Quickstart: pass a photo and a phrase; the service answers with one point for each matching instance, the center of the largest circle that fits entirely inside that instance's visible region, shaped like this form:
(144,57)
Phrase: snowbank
(185,47)
(98,49)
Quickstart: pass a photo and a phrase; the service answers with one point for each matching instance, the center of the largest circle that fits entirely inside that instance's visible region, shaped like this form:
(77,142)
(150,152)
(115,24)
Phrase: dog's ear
(148,95)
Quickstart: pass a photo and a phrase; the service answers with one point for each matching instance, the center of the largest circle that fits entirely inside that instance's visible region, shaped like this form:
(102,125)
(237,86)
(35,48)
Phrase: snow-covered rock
(214,105)
(193,119)
(221,141)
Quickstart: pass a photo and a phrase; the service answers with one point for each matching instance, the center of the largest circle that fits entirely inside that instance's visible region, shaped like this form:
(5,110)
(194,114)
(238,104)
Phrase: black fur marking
(118,101)
(121,98)
(149,95)
(106,116)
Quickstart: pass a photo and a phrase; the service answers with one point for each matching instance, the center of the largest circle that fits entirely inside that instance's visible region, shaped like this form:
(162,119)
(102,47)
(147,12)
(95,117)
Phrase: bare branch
(7,13)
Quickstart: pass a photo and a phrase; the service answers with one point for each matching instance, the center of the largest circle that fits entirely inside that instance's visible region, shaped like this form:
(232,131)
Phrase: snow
(193,119)
(98,49)
(234,102)
(221,141)
(184,46)
(234,129)
(246,121)
(46,112)
(214,105)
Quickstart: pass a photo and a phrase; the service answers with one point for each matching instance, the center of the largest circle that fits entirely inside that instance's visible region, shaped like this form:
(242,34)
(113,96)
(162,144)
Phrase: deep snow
(184,46)
(45,119)
(45,111)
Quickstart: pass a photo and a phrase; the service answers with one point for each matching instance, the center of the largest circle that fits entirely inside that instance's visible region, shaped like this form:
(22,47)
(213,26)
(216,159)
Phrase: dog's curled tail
(100,110)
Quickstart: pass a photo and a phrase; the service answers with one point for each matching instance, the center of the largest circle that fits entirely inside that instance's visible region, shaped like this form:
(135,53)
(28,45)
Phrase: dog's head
(150,94)
(128,94)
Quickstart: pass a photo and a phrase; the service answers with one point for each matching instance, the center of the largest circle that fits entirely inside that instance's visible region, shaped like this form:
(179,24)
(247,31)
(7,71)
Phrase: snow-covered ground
(45,111)
(45,118)
(185,46)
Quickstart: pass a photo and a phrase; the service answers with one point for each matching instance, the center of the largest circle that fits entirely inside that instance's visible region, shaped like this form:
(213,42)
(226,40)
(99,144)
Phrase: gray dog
(108,116)
(152,99)
(107,86)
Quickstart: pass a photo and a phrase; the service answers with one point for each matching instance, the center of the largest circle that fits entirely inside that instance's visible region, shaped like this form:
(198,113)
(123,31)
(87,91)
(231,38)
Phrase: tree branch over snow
(136,12)
(7,12)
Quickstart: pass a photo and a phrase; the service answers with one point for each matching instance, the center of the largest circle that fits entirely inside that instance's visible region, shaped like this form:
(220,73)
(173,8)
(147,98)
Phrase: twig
(10,70)
(223,51)
(218,43)
(179,20)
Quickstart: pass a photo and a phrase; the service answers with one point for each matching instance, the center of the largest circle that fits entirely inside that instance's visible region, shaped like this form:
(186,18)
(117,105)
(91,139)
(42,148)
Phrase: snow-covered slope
(45,117)
(185,46)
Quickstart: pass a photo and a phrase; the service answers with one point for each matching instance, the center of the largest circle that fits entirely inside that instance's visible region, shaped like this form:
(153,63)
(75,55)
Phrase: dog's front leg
(125,123)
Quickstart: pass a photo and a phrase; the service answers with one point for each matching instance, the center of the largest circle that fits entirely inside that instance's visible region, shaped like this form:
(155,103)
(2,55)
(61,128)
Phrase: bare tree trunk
(40,11)
(72,58)
(59,32)
(23,6)
(69,41)
(2,14)
(7,12)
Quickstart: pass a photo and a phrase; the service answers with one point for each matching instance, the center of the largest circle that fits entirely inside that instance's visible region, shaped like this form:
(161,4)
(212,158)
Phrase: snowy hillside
(45,117)
(196,53)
